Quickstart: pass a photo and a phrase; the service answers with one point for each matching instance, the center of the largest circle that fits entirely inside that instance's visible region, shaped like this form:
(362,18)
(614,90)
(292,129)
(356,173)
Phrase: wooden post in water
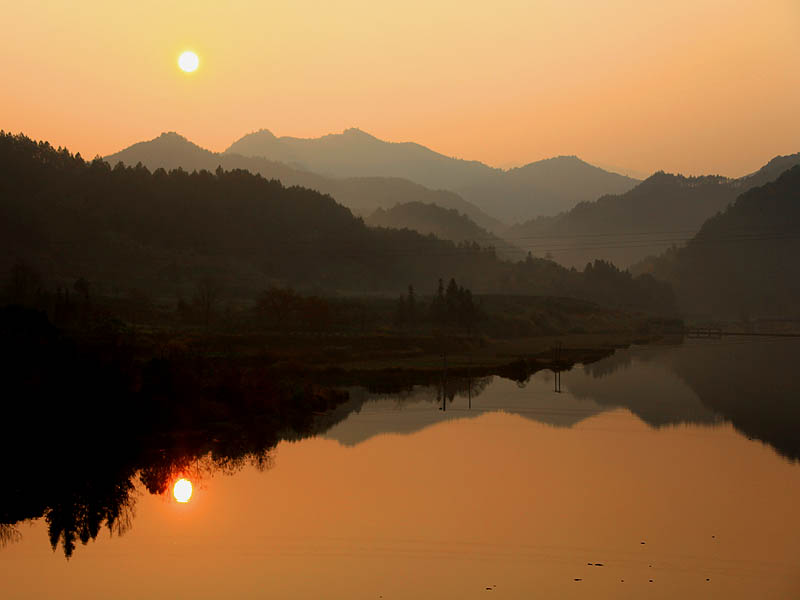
(469,383)
(444,380)
(469,391)
(557,367)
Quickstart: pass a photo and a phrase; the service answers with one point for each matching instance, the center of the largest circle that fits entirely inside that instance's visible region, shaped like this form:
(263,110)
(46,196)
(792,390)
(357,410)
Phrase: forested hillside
(743,262)
(125,228)
(446,224)
(662,211)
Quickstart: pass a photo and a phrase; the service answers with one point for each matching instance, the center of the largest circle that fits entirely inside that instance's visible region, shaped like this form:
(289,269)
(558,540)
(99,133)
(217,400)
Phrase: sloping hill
(770,171)
(446,224)
(361,194)
(546,187)
(743,262)
(541,188)
(623,229)
(354,153)
(662,211)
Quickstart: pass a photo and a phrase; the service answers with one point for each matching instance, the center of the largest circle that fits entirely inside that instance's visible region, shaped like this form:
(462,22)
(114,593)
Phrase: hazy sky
(686,85)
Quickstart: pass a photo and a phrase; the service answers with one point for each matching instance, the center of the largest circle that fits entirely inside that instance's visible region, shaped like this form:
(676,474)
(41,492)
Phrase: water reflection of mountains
(748,382)
(84,430)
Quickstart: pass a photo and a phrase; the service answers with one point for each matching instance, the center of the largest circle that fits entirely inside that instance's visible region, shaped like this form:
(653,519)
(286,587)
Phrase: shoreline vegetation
(345,360)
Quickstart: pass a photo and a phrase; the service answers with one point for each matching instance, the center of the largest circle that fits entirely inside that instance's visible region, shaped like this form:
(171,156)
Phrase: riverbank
(392,359)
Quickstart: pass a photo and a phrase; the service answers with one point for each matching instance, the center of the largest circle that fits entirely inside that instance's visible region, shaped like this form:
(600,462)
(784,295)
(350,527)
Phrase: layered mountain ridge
(544,187)
(361,194)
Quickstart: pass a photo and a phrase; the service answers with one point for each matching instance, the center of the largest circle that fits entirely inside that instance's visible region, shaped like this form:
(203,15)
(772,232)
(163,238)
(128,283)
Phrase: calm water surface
(673,467)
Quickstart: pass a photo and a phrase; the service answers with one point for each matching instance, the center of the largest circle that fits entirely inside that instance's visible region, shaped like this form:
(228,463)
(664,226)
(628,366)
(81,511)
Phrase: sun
(188,61)
(182,490)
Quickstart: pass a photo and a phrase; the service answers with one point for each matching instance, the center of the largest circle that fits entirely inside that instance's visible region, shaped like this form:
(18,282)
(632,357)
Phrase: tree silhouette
(206,298)
(24,284)
(81,287)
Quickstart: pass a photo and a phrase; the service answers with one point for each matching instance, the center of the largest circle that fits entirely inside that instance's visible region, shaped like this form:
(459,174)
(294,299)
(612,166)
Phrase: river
(663,471)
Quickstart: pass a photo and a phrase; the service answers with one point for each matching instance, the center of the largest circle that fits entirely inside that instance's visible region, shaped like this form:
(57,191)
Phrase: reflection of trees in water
(623,359)
(448,387)
(9,534)
(608,366)
(752,382)
(749,381)
(80,508)
(80,514)
(90,422)
(87,495)
(462,387)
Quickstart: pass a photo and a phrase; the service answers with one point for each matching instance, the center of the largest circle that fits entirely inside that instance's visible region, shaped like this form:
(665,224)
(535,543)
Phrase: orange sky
(694,86)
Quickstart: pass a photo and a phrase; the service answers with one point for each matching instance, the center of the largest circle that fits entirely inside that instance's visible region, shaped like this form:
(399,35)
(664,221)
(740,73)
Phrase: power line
(344,245)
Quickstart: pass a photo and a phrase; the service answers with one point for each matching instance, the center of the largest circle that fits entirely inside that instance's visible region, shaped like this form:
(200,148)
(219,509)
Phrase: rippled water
(660,472)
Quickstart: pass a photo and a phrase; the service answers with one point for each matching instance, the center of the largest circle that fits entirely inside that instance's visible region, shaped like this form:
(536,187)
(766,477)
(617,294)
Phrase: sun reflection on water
(182,490)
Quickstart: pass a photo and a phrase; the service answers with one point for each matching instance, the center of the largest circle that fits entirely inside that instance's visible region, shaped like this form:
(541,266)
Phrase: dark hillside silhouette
(663,210)
(743,262)
(446,224)
(770,171)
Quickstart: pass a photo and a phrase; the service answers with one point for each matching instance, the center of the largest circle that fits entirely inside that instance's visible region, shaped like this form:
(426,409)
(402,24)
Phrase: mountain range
(604,216)
(630,229)
(164,233)
(662,211)
(546,187)
(362,194)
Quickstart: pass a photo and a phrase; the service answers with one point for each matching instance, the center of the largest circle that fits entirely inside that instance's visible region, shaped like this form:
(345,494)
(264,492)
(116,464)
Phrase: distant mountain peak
(170,139)
(566,161)
(566,158)
(351,134)
(169,150)
(171,136)
(771,170)
(356,132)
(264,133)
(781,159)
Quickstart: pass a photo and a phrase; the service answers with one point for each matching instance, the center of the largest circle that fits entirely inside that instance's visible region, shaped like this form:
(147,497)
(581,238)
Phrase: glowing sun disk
(182,490)
(188,61)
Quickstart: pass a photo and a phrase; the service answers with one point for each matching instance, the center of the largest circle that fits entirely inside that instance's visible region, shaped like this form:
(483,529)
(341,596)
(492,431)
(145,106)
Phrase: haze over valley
(628,229)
